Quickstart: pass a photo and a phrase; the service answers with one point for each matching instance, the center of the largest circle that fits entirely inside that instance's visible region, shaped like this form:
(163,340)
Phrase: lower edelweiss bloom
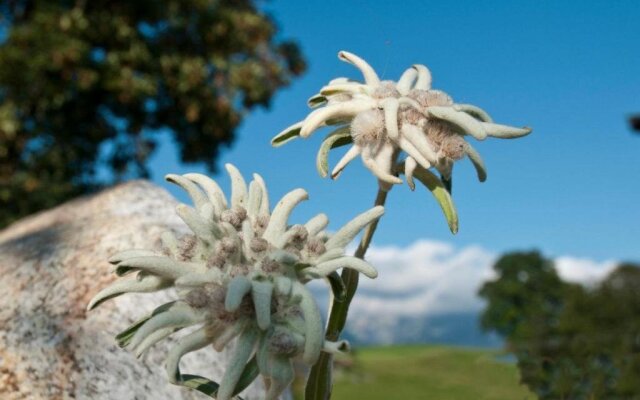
(241,274)
(382,118)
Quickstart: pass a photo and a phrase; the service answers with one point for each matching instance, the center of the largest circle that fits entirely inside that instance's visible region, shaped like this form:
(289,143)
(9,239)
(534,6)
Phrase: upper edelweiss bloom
(381,118)
(240,274)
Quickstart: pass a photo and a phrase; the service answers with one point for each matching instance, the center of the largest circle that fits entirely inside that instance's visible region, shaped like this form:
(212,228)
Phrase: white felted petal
(281,375)
(412,151)
(475,111)
(316,224)
(169,242)
(341,79)
(284,257)
(410,165)
(390,107)
(211,188)
(207,212)
(349,87)
(238,187)
(369,74)
(424,77)
(286,237)
(192,342)
(261,292)
(314,334)
(283,285)
(405,83)
(385,159)
(354,263)
(466,123)
(418,138)
(377,169)
(198,278)
(179,315)
(238,287)
(148,283)
(243,350)
(349,156)
(477,162)
(346,234)
(330,255)
(123,255)
(504,131)
(248,234)
(264,200)
(255,198)
(161,266)
(207,231)
(279,217)
(152,339)
(227,333)
(320,116)
(339,347)
(197,196)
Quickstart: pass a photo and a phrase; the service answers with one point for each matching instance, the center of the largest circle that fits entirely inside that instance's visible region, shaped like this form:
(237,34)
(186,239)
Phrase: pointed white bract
(242,273)
(387,118)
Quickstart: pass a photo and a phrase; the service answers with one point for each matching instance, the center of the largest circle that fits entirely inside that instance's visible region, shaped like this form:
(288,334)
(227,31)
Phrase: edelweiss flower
(241,274)
(382,118)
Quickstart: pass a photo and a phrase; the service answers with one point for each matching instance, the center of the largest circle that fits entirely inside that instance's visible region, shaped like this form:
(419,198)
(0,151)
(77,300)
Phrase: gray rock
(51,264)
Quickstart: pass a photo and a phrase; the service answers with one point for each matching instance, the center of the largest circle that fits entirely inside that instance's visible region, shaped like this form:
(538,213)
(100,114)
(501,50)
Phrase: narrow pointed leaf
(337,138)
(448,183)
(249,374)
(441,194)
(337,286)
(287,135)
(124,338)
(201,384)
(317,101)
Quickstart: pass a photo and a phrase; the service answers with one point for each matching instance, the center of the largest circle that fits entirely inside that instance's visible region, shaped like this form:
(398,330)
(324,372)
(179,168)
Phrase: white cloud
(583,270)
(430,278)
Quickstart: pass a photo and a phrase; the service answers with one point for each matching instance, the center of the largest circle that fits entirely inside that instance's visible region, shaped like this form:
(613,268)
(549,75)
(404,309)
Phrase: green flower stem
(320,384)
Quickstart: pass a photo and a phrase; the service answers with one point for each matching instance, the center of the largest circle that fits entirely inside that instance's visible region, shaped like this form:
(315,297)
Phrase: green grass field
(428,372)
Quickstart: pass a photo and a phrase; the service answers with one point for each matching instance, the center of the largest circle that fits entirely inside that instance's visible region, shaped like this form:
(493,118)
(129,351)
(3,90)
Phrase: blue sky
(570,70)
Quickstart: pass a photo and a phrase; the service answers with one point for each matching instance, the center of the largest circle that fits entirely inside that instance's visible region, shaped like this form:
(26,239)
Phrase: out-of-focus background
(538,295)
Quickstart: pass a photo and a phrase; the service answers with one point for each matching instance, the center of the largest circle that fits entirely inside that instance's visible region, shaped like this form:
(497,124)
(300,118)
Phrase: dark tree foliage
(571,342)
(527,287)
(85,86)
(634,121)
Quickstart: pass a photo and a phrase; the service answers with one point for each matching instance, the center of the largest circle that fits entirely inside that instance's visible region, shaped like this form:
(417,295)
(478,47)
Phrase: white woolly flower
(241,274)
(382,118)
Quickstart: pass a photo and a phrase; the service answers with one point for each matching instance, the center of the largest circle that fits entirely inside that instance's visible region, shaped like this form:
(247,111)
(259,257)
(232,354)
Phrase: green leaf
(123,270)
(477,162)
(338,121)
(249,374)
(337,138)
(210,388)
(319,383)
(317,101)
(337,286)
(448,183)
(287,135)
(441,194)
(201,384)
(124,338)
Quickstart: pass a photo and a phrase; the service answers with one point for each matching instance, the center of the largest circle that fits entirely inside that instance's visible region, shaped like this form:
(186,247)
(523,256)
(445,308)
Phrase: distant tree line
(86,86)
(570,341)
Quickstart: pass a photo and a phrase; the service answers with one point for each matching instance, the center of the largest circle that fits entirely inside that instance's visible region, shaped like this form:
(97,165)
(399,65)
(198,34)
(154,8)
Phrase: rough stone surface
(51,264)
